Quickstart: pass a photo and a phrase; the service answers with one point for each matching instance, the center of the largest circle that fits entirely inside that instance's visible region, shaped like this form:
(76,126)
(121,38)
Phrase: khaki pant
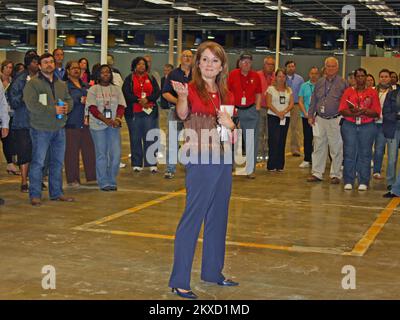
(329,137)
(294,129)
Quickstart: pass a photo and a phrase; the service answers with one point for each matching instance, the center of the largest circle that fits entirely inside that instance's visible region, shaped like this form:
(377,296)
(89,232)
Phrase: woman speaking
(208,185)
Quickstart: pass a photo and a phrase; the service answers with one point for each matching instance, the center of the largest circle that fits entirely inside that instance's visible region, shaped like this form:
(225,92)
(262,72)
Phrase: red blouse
(367,99)
(142,87)
(197,105)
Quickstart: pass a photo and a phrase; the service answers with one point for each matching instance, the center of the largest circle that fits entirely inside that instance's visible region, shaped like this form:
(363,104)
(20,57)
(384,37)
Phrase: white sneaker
(137,169)
(122,165)
(362,187)
(304,164)
(153,169)
(348,186)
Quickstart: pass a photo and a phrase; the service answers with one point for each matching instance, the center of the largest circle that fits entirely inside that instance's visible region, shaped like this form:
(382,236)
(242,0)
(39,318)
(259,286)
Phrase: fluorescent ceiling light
(260,1)
(69,3)
(308,19)
(183,6)
(62,36)
(31,23)
(227,19)
(295,36)
(245,23)
(207,14)
(131,23)
(293,14)
(114,20)
(378,7)
(392,19)
(16,19)
(159,1)
(385,13)
(17,7)
(82,14)
(330,28)
(276,7)
(319,24)
(59,15)
(82,19)
(119,40)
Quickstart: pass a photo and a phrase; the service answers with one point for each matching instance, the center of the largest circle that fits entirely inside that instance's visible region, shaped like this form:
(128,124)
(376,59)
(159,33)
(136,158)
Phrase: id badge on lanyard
(107,113)
(358,121)
(244,100)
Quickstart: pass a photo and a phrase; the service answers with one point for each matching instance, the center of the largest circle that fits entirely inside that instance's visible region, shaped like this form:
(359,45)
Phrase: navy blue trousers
(208,188)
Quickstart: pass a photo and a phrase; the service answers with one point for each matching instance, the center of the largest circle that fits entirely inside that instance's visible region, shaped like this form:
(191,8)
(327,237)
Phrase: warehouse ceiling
(306,16)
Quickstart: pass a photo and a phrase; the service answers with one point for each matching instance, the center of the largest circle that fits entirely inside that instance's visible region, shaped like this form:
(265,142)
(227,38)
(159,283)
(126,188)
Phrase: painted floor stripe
(369,237)
(333,251)
(132,210)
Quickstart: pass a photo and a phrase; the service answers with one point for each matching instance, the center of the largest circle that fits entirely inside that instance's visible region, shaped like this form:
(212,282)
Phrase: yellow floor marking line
(131,210)
(334,251)
(359,250)
(369,237)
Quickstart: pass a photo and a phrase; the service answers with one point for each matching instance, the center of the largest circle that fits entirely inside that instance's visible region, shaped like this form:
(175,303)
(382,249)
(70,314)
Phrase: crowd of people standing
(54,113)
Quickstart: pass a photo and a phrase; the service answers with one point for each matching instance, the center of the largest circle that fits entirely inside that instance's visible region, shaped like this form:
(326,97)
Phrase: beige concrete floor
(286,239)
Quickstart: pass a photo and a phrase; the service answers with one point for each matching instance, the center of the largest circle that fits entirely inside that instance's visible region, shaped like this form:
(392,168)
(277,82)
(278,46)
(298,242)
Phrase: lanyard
(212,101)
(244,88)
(106,104)
(329,89)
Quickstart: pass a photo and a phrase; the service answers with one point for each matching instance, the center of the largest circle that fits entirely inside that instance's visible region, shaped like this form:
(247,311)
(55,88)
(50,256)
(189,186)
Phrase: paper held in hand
(224,131)
(148,110)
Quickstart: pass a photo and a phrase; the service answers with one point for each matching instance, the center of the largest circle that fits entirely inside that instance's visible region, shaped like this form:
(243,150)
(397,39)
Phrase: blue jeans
(379,148)
(175,127)
(139,146)
(43,142)
(107,145)
(357,151)
(393,151)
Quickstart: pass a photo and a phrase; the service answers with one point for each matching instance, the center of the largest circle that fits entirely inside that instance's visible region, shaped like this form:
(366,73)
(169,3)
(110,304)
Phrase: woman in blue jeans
(106,105)
(359,106)
(141,92)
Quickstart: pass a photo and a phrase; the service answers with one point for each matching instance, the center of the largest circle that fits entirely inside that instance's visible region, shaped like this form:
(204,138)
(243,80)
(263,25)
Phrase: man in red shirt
(267,77)
(245,84)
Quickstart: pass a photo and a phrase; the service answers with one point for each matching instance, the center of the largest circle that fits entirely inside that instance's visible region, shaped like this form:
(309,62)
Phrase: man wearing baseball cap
(245,84)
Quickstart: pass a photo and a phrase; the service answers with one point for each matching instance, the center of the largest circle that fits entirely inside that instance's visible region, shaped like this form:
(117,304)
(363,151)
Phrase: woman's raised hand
(180,88)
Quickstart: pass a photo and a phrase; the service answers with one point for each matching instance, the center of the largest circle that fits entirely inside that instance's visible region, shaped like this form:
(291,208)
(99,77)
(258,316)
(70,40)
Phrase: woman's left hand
(225,119)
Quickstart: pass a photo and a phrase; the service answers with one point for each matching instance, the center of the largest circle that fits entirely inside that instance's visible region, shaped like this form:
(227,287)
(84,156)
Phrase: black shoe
(186,295)
(228,283)
(2,201)
(389,195)
(112,188)
(106,188)
(24,188)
